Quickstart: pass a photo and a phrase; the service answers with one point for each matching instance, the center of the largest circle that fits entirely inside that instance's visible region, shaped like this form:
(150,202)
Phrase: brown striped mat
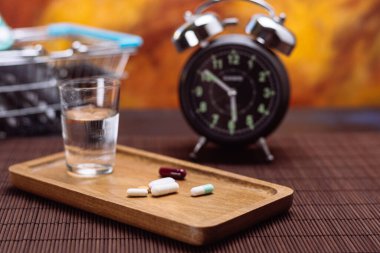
(336,208)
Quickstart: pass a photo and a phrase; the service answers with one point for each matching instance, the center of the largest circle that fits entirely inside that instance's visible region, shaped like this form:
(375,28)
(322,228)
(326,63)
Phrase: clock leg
(201,142)
(264,146)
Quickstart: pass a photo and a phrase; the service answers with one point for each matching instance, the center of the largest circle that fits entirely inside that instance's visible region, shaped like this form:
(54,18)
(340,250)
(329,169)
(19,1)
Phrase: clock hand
(230,92)
(219,82)
(233,104)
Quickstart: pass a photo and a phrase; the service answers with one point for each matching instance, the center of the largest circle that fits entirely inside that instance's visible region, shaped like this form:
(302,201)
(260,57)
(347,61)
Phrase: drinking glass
(90,119)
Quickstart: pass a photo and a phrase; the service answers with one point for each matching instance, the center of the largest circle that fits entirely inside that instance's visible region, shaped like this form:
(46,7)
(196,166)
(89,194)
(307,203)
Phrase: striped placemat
(336,177)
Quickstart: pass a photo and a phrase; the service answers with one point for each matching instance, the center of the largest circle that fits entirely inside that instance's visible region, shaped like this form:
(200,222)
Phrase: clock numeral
(198,91)
(268,93)
(261,109)
(231,126)
(233,58)
(215,119)
(249,122)
(202,107)
(263,76)
(205,77)
(216,63)
(251,62)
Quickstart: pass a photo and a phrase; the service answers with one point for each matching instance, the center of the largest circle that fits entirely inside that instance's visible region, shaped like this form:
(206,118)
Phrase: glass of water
(90,119)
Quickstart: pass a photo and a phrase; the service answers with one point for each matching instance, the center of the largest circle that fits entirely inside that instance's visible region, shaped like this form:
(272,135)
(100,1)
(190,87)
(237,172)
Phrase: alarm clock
(234,90)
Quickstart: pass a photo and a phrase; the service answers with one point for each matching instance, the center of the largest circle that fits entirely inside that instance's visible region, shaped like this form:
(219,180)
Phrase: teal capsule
(202,190)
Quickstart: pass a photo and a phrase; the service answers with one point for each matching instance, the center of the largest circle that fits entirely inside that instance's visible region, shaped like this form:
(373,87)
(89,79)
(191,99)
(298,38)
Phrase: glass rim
(109,82)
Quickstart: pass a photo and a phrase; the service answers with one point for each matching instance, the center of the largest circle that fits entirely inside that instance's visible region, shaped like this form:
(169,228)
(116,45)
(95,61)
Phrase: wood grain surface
(238,202)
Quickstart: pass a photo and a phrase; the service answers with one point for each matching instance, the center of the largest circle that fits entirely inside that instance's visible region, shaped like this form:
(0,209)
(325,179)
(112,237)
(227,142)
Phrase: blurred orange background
(336,62)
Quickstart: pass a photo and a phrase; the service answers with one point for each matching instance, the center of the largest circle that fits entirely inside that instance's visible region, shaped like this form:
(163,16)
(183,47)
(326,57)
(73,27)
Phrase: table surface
(330,157)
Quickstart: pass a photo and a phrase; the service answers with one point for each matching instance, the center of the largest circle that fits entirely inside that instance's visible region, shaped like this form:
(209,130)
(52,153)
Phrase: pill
(172,172)
(163,189)
(164,180)
(137,192)
(202,190)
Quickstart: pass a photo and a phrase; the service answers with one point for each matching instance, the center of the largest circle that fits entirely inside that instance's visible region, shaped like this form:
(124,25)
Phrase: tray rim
(282,192)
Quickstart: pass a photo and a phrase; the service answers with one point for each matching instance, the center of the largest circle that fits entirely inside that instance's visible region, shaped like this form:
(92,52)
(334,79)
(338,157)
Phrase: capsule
(202,190)
(163,189)
(172,172)
(137,192)
(164,180)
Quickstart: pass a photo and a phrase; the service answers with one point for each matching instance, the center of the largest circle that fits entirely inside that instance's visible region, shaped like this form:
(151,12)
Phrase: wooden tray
(237,201)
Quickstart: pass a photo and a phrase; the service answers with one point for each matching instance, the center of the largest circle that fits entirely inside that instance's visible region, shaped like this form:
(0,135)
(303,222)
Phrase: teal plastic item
(124,40)
(6,38)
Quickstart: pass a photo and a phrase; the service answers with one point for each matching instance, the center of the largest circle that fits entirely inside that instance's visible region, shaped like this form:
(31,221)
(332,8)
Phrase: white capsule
(163,180)
(163,189)
(202,190)
(137,192)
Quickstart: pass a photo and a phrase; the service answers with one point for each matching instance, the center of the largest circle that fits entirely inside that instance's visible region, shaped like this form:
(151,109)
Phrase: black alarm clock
(234,90)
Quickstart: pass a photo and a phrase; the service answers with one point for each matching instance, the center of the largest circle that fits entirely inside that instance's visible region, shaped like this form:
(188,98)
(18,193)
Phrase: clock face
(231,92)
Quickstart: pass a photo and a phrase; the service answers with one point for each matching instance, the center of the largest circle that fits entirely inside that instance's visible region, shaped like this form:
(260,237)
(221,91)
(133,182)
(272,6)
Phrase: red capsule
(173,172)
